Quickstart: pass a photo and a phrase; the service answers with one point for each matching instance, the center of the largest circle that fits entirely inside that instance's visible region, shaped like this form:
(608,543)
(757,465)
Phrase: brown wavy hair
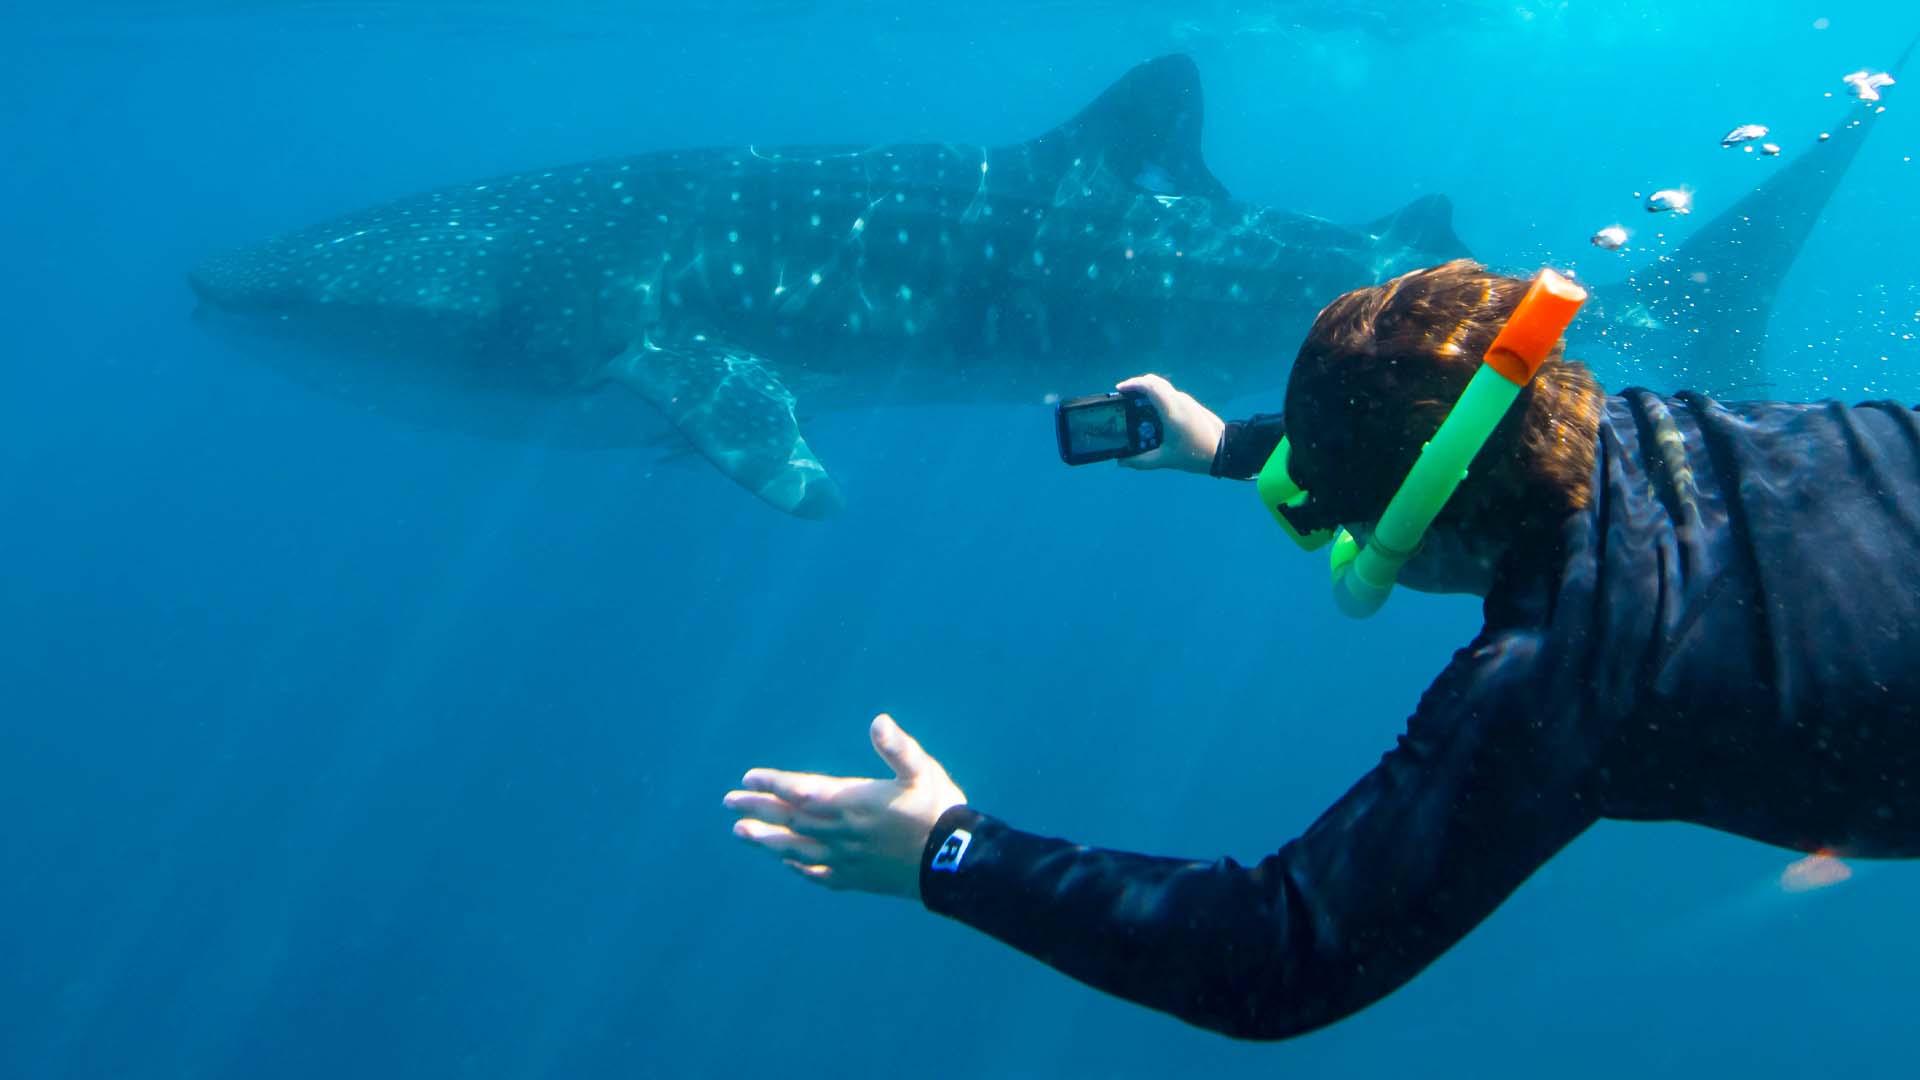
(1381,368)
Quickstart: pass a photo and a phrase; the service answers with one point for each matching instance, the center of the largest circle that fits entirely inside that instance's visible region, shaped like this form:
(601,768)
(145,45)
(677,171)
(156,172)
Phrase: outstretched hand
(1192,430)
(850,832)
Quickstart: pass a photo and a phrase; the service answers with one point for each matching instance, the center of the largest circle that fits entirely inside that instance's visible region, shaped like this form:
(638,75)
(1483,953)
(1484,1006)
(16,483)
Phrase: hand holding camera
(1147,424)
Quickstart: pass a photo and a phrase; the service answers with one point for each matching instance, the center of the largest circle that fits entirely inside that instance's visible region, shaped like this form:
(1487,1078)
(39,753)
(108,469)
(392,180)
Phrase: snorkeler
(1694,611)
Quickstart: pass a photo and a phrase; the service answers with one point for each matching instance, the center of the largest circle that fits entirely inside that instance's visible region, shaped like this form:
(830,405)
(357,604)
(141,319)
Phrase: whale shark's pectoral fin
(732,408)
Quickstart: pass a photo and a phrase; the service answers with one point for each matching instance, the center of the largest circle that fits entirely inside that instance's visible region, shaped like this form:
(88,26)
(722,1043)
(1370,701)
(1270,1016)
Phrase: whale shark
(732,291)
(1701,314)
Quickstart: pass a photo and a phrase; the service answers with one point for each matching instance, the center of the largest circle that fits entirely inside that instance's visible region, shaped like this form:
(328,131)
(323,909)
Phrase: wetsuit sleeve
(1483,788)
(1246,445)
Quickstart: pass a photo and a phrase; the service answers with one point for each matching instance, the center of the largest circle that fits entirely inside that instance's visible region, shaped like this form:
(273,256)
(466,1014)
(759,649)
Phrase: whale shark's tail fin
(1143,131)
(1709,302)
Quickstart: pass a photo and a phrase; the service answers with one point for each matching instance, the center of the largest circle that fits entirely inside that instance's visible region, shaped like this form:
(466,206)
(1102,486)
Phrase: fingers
(781,841)
(807,791)
(777,811)
(758,804)
(775,825)
(849,832)
(1148,382)
(1192,430)
(1158,390)
(823,875)
(899,750)
(1165,401)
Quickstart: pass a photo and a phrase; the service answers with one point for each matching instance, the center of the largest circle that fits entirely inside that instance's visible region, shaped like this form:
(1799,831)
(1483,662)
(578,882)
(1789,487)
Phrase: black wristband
(947,847)
(1246,445)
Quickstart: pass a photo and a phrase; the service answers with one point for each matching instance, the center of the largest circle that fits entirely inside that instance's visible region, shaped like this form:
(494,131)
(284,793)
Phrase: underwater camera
(1100,427)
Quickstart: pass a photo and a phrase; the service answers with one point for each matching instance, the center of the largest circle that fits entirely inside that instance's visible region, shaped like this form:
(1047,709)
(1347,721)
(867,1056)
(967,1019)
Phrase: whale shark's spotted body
(722,286)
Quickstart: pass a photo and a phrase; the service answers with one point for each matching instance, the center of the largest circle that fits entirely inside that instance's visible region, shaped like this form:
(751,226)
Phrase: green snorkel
(1363,576)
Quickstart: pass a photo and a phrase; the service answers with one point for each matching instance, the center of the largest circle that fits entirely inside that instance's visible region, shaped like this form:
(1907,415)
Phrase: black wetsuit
(1728,635)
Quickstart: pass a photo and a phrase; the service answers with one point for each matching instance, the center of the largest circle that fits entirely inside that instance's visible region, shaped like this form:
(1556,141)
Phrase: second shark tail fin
(1710,301)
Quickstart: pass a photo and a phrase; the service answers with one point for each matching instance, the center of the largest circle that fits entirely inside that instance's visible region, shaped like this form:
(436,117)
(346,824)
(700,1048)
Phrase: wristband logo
(951,851)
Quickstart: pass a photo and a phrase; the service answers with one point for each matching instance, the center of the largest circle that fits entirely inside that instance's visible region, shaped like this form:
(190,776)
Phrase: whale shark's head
(243,294)
(245,303)
(250,280)
(404,341)
(349,286)
(340,308)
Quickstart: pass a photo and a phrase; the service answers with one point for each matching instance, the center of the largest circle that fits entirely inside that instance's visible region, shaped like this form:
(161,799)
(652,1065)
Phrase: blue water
(330,747)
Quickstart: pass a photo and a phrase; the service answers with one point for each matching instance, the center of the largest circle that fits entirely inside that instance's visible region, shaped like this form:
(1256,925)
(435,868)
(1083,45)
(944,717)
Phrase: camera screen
(1098,427)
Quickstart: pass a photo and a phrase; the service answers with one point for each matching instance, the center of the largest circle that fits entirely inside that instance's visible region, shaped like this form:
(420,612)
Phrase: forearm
(1404,865)
(1216,944)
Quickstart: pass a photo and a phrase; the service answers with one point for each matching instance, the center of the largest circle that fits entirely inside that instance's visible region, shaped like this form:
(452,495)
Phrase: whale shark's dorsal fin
(1424,225)
(1145,131)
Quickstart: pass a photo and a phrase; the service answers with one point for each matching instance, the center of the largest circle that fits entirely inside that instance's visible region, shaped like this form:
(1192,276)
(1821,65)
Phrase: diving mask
(1363,576)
